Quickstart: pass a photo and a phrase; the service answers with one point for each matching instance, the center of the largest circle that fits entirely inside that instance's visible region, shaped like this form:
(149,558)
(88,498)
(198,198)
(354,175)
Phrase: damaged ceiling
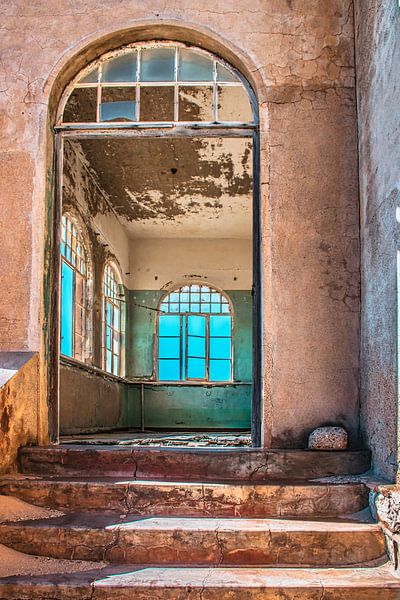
(186,187)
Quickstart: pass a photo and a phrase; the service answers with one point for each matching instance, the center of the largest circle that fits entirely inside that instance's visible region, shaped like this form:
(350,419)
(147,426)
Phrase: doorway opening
(158,247)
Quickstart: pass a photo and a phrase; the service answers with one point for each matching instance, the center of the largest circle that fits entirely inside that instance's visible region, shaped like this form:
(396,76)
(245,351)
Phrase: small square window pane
(174,297)
(81,106)
(169,325)
(220,326)
(225,75)
(120,69)
(220,370)
(215,297)
(216,308)
(91,77)
(196,368)
(220,347)
(169,370)
(196,325)
(118,104)
(184,297)
(225,308)
(195,297)
(195,288)
(195,307)
(194,66)
(164,307)
(196,103)
(184,307)
(234,105)
(169,348)
(157,103)
(158,64)
(197,347)
(174,307)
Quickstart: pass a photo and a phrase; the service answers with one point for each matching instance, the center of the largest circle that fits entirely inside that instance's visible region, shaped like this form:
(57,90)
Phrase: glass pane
(174,297)
(109,361)
(196,325)
(116,318)
(196,368)
(118,104)
(169,370)
(169,347)
(220,347)
(158,64)
(197,347)
(220,326)
(81,106)
(157,103)
(234,104)
(220,370)
(116,365)
(67,308)
(196,103)
(120,68)
(195,307)
(91,77)
(194,67)
(164,307)
(223,74)
(79,289)
(184,307)
(216,308)
(169,325)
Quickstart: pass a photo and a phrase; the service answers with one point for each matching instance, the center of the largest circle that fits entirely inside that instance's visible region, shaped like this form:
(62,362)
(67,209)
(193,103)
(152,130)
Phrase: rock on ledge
(328,438)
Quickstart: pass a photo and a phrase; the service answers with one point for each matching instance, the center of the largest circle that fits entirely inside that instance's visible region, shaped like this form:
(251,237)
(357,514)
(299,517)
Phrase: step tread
(137,577)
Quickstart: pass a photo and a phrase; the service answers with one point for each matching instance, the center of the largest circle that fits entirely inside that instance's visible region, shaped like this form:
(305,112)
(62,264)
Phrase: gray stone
(328,438)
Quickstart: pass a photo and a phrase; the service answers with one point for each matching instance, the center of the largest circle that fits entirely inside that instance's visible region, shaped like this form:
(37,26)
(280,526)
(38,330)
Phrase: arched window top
(72,245)
(196,298)
(158,82)
(112,282)
(112,320)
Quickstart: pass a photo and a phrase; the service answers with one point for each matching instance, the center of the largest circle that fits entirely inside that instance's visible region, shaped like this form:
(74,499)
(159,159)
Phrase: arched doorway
(158,144)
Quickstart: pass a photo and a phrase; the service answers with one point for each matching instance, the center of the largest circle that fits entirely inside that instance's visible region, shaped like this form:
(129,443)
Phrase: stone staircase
(198,524)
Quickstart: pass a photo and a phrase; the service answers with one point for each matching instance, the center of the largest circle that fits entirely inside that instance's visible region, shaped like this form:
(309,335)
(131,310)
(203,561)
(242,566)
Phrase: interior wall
(378,79)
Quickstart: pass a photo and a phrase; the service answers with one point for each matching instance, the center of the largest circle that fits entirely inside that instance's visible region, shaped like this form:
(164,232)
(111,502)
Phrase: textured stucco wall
(299,56)
(378,77)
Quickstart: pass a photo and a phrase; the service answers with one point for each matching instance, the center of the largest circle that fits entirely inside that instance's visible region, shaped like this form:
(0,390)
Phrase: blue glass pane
(225,75)
(205,308)
(216,308)
(121,68)
(220,370)
(197,347)
(184,353)
(67,309)
(195,307)
(109,361)
(196,325)
(114,111)
(220,325)
(184,307)
(169,325)
(196,368)
(174,307)
(195,67)
(225,308)
(169,370)
(220,347)
(169,348)
(158,64)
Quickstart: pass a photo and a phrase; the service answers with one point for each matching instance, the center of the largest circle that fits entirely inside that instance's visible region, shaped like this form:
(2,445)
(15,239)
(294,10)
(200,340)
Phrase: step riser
(353,592)
(192,465)
(180,499)
(178,547)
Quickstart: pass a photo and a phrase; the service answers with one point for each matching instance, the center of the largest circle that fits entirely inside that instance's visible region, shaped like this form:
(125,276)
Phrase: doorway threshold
(185,439)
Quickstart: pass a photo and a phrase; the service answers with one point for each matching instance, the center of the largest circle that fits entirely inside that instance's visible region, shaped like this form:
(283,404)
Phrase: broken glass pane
(195,67)
(196,103)
(158,64)
(121,68)
(81,106)
(118,104)
(157,103)
(234,104)
(91,77)
(223,74)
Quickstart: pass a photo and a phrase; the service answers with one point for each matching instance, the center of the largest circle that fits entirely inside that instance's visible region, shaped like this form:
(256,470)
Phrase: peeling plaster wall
(378,76)
(299,53)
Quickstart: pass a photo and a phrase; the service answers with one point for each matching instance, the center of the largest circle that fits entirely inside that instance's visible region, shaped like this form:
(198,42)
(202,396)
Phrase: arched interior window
(195,335)
(160,82)
(112,320)
(74,296)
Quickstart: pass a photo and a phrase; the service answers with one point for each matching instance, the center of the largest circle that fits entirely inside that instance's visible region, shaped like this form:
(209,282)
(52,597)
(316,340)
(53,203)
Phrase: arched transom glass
(161,82)
(195,335)
(112,321)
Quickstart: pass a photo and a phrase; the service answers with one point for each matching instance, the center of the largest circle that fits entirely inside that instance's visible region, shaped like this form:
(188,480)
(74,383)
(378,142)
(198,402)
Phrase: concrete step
(151,498)
(197,541)
(191,464)
(127,582)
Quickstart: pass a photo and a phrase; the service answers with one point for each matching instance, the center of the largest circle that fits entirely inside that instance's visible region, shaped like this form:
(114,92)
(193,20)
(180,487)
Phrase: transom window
(160,82)
(74,271)
(112,321)
(195,335)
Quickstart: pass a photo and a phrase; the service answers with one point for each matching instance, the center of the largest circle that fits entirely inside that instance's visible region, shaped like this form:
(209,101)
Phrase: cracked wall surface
(378,74)
(298,54)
